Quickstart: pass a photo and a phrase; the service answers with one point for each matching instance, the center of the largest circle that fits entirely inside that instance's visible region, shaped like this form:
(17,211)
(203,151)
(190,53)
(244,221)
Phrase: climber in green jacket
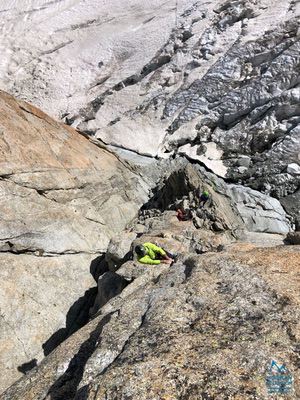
(149,253)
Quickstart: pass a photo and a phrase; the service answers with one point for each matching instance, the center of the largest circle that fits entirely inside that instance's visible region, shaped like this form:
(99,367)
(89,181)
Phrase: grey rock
(293,169)
(118,248)
(131,270)
(109,285)
(217,226)
(242,170)
(219,309)
(57,192)
(244,161)
(259,212)
(40,305)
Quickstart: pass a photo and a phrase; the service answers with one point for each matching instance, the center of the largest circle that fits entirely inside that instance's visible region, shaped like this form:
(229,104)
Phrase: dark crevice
(175,186)
(65,387)
(60,46)
(44,7)
(98,267)
(189,264)
(153,65)
(14,249)
(79,313)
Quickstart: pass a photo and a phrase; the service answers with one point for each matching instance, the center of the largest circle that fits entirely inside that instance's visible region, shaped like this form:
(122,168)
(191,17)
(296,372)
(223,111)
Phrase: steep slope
(57,192)
(207,327)
(63,198)
(216,80)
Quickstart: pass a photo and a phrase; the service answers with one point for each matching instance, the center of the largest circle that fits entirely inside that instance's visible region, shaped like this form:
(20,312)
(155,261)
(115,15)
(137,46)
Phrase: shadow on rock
(26,367)
(77,317)
(78,314)
(98,267)
(66,386)
(176,186)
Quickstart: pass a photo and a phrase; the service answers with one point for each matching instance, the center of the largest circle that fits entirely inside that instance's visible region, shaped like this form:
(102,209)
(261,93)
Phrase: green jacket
(152,252)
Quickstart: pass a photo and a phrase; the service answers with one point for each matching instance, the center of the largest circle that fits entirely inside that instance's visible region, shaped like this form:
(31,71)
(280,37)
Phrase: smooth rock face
(168,77)
(209,326)
(57,192)
(36,296)
(64,178)
(259,212)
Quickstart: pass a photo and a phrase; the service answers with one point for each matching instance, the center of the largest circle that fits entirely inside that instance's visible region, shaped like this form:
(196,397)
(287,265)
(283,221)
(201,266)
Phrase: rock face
(57,192)
(215,80)
(64,199)
(207,327)
(259,212)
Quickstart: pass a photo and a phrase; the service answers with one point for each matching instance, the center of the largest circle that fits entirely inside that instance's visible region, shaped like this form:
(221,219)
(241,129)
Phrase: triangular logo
(277,369)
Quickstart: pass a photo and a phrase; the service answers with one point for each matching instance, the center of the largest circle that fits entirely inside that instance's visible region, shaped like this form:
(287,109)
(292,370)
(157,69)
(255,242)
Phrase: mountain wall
(215,80)
(167,98)
(62,199)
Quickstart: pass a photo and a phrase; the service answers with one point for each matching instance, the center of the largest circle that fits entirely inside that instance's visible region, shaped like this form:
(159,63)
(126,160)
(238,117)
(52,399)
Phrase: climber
(183,215)
(149,253)
(203,198)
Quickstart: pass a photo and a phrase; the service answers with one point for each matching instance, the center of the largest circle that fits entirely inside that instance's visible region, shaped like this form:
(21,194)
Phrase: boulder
(244,161)
(110,285)
(131,270)
(119,248)
(293,169)
(242,170)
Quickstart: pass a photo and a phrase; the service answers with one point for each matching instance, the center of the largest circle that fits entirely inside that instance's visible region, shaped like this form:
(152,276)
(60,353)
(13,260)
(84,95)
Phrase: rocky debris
(182,189)
(210,228)
(230,206)
(57,192)
(208,326)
